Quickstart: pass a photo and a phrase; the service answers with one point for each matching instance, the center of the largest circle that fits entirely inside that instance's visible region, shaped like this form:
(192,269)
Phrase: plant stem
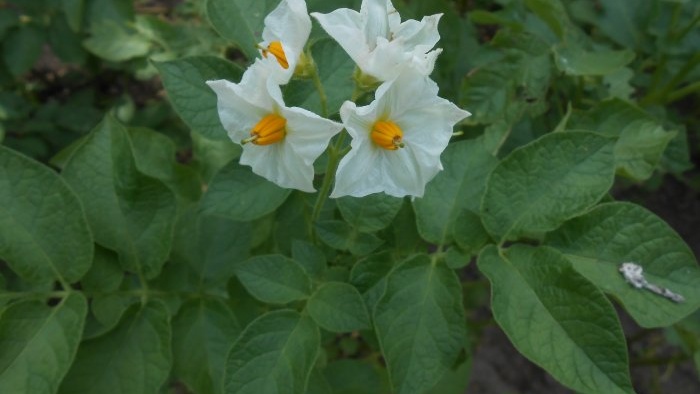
(316,78)
(682,92)
(334,156)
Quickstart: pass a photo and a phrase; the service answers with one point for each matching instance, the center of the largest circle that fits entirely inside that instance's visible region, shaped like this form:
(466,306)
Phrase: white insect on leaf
(634,275)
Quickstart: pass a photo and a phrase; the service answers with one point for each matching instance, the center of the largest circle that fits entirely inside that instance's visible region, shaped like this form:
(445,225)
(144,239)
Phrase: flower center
(275,48)
(387,135)
(272,128)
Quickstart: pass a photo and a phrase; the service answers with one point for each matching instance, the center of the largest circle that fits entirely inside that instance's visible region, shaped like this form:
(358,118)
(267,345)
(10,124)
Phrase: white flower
(397,139)
(286,31)
(379,43)
(279,143)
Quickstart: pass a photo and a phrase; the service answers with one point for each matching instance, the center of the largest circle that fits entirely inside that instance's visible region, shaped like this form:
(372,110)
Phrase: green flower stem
(682,92)
(316,78)
(334,156)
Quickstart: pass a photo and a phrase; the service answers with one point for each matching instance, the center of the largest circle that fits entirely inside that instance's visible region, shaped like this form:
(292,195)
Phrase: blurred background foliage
(522,67)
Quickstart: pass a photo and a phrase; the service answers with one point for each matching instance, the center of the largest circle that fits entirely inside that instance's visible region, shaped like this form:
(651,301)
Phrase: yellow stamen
(272,128)
(275,48)
(387,135)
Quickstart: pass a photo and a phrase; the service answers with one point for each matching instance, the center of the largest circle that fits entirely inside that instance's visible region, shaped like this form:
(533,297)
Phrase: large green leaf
(577,61)
(598,242)
(38,343)
(274,355)
(274,279)
(43,231)
(460,186)
(128,211)
(184,81)
(557,319)
(369,276)
(239,194)
(21,48)
(240,21)
(134,358)
(370,213)
(155,156)
(117,42)
(203,332)
(211,246)
(338,307)
(420,323)
(340,235)
(539,186)
(641,140)
(310,257)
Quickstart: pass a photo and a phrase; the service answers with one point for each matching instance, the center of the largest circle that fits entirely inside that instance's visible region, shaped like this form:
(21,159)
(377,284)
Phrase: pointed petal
(278,164)
(375,21)
(237,114)
(308,134)
(345,27)
(421,35)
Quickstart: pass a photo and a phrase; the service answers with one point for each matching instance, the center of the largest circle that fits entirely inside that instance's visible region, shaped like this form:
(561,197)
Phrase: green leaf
(420,323)
(155,156)
(350,376)
(459,186)
(369,276)
(274,279)
(107,310)
(540,185)
(641,139)
(74,10)
(338,307)
(38,343)
(128,211)
(212,155)
(254,195)
(598,242)
(455,380)
(211,246)
(116,42)
(552,12)
(335,70)
(275,354)
(557,319)
(43,230)
(340,235)
(203,332)
(577,61)
(623,21)
(370,213)
(469,232)
(184,81)
(105,274)
(22,48)
(134,358)
(240,21)
(309,257)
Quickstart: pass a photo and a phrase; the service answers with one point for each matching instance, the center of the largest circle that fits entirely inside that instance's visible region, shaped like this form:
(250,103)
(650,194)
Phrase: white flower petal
(426,121)
(237,114)
(422,35)
(288,23)
(308,134)
(345,26)
(357,173)
(379,43)
(279,164)
(375,16)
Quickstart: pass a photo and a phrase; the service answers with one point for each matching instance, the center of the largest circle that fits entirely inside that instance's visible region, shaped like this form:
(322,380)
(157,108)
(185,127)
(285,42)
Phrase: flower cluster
(396,140)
